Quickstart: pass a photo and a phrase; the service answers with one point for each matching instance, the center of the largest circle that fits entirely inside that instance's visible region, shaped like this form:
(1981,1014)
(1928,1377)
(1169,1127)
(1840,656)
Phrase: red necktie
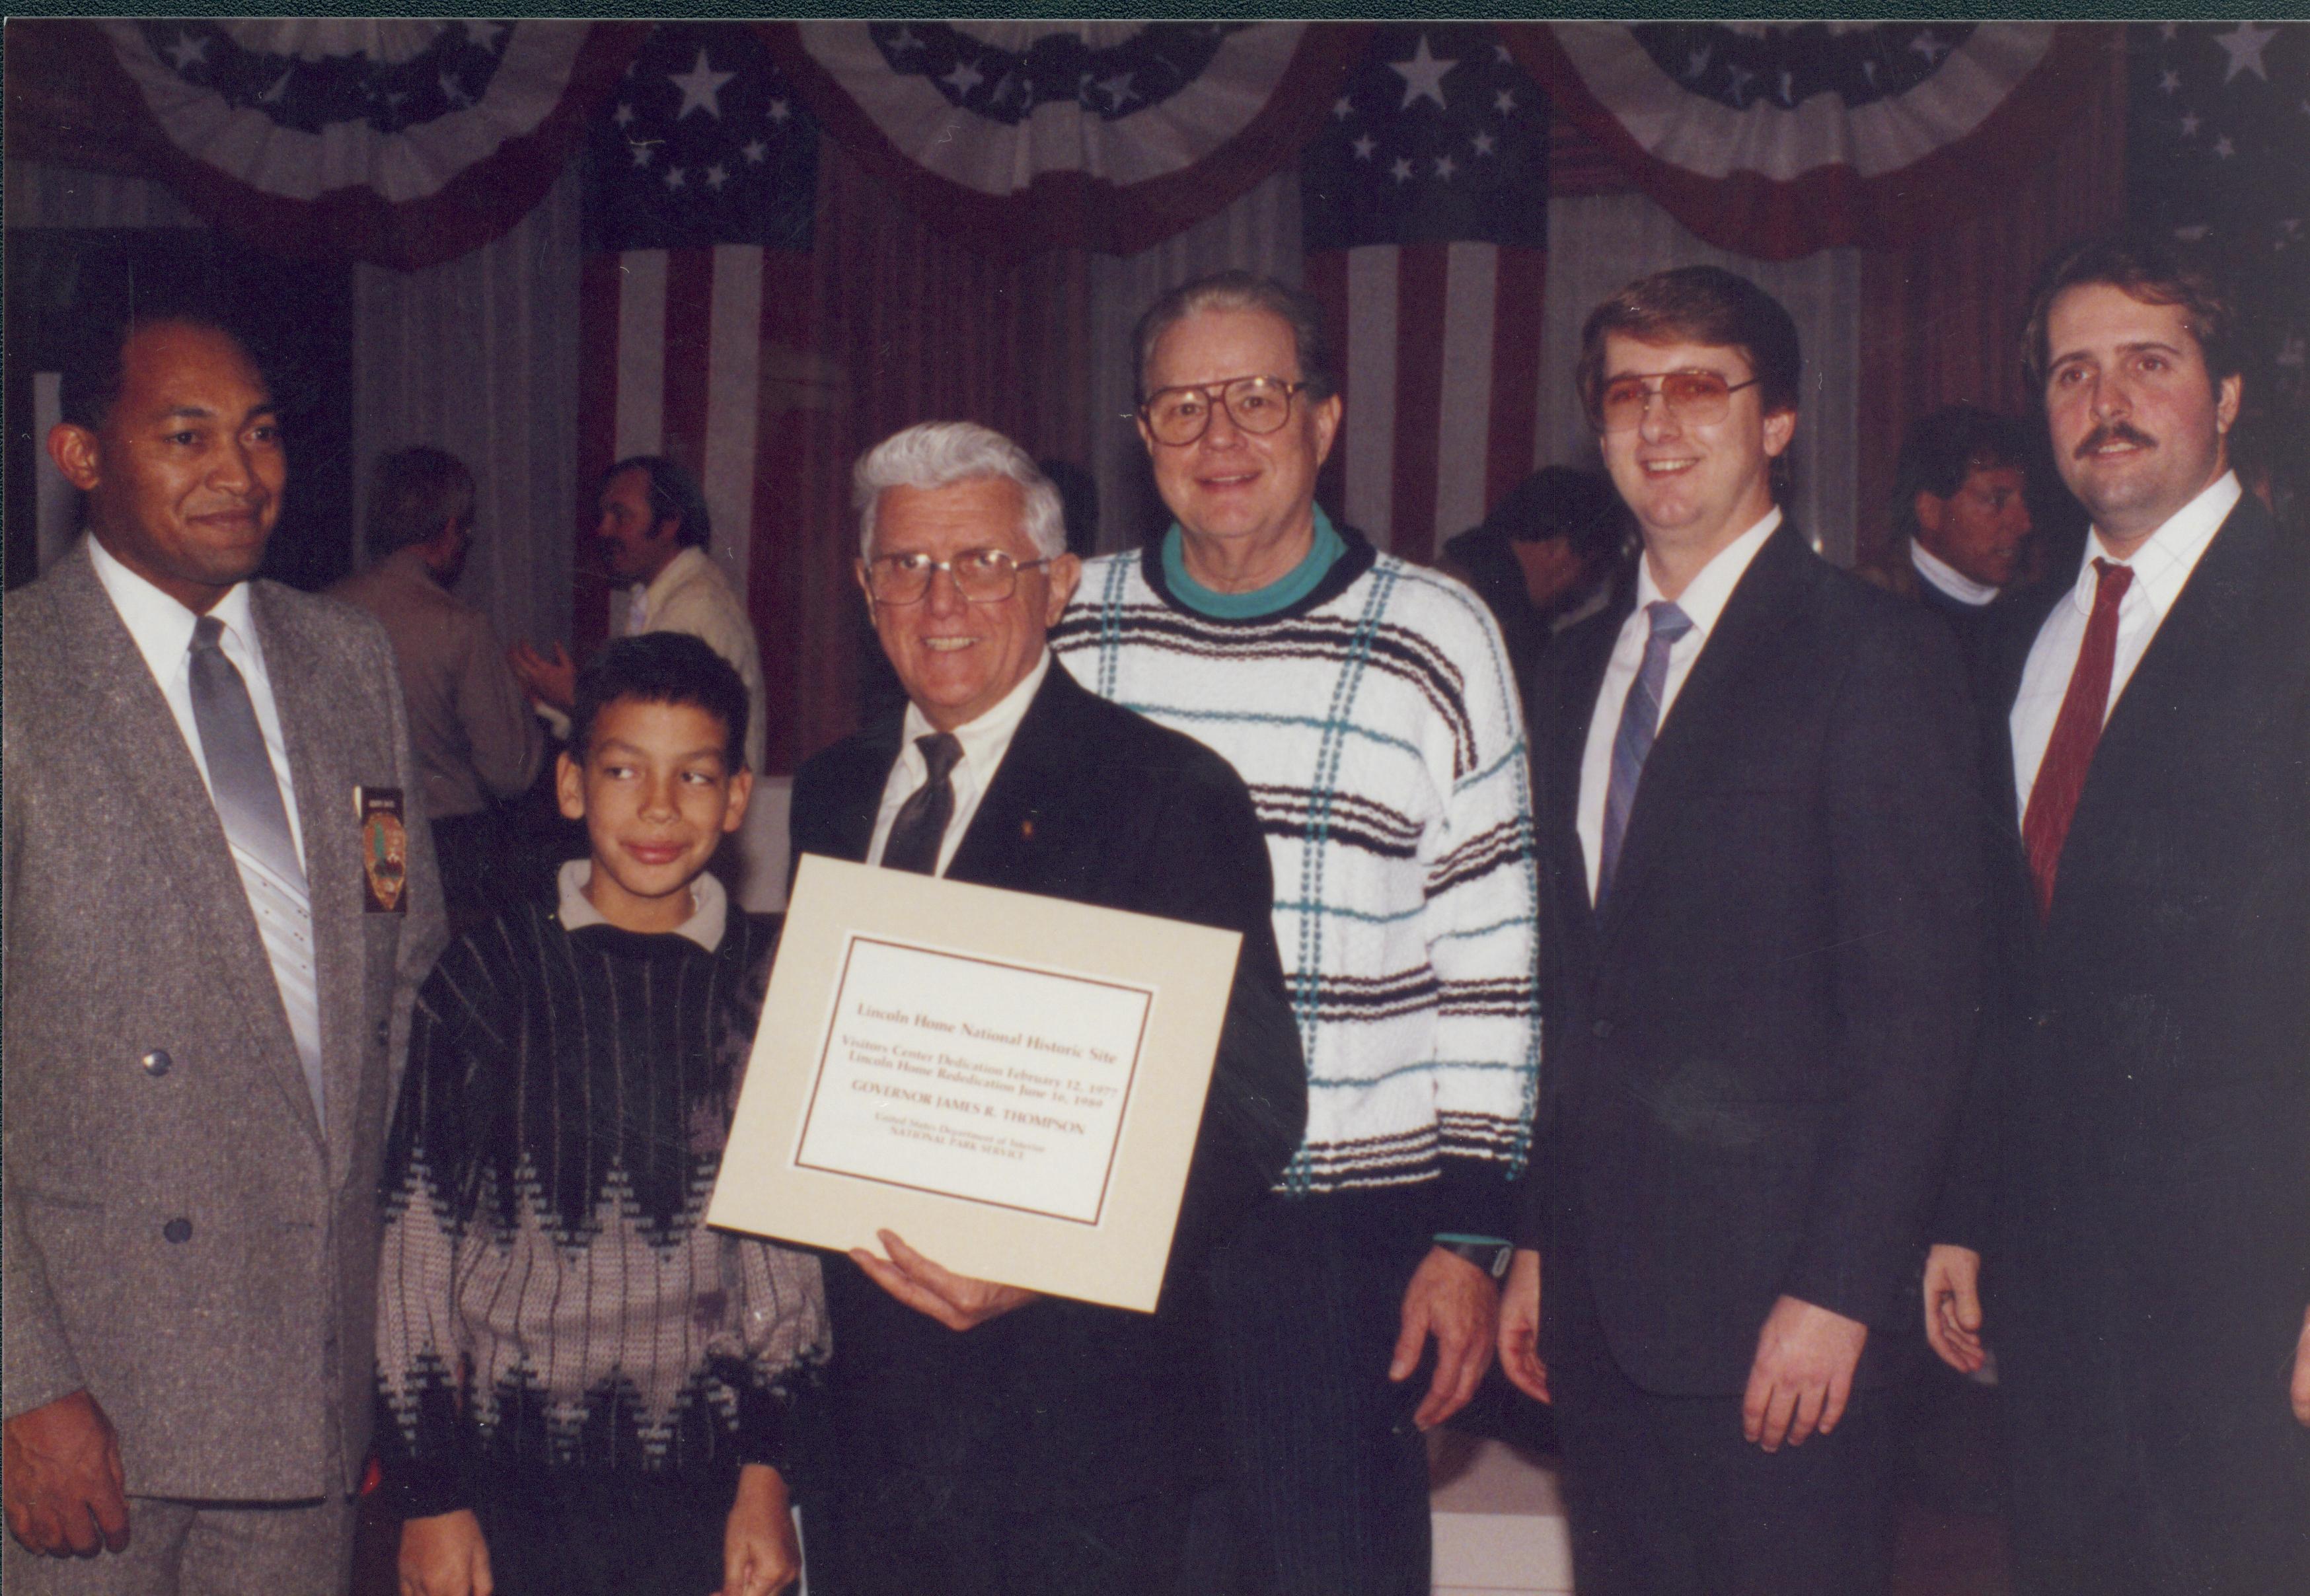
(2062,775)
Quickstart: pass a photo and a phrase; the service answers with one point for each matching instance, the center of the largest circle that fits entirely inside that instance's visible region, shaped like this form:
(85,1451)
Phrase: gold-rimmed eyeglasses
(1696,398)
(982,576)
(1255,404)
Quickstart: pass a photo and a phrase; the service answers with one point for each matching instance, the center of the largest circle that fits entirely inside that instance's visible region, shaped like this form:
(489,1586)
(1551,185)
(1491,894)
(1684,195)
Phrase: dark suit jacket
(183,1238)
(2149,1068)
(1062,1399)
(1755,1048)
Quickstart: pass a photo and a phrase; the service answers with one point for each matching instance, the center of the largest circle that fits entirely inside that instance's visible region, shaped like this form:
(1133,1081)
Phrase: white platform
(1499,1522)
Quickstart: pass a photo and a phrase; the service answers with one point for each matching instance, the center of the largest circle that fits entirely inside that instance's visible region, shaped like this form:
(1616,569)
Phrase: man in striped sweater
(1368,705)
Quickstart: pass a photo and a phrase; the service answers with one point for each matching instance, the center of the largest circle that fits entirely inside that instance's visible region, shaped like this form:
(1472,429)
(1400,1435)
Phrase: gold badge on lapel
(385,850)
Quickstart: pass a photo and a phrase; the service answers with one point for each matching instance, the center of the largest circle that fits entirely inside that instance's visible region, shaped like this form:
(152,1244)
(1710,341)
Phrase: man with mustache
(2141,1125)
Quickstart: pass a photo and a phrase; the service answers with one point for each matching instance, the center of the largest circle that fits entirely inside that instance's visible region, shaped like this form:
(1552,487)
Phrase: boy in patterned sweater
(584,1390)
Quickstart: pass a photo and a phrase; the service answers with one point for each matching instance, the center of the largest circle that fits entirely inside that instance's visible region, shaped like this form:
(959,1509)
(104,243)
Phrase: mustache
(2114,432)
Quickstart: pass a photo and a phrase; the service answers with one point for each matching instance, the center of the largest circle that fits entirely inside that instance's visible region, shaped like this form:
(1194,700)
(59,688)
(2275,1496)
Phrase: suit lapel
(311,707)
(148,751)
(2204,638)
(1587,653)
(1754,620)
(1000,847)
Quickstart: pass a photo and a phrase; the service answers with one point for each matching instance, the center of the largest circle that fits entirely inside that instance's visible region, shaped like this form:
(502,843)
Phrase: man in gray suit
(220,898)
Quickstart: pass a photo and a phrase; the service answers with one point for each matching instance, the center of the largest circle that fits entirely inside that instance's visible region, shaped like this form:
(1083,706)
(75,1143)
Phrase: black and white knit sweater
(1376,725)
(549,1297)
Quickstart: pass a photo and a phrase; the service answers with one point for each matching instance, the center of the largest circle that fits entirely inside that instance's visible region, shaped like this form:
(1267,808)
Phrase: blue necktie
(1639,724)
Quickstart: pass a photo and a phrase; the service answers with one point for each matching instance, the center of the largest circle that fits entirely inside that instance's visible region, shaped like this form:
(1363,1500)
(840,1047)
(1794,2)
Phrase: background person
(476,740)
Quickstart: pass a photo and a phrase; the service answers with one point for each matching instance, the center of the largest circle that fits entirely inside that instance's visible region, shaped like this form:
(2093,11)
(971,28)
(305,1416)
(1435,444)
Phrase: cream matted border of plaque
(1104,1234)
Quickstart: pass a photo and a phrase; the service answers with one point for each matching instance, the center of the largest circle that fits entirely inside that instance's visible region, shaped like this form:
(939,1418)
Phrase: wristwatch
(1491,1255)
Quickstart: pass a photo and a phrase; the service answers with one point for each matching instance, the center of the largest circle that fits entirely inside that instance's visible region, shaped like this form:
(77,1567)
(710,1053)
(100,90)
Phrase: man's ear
(73,447)
(1929,509)
(568,787)
(1780,430)
(1327,426)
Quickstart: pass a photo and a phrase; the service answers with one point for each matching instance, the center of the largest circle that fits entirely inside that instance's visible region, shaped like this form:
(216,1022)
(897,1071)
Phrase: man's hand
(445,1556)
(1453,1300)
(1520,1326)
(760,1553)
(955,1301)
(553,683)
(2302,1372)
(60,1477)
(1803,1374)
(1953,1306)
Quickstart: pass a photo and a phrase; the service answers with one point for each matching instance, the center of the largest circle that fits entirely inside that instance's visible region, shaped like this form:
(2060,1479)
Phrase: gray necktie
(920,828)
(248,798)
(1639,724)
(241,772)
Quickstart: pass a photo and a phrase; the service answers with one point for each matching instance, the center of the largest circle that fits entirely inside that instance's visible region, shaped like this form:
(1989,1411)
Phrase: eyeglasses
(1695,397)
(982,576)
(1255,404)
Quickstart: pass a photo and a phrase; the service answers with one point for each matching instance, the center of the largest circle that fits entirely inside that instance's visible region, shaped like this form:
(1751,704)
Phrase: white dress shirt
(2161,568)
(1947,578)
(694,595)
(1702,601)
(984,741)
(162,630)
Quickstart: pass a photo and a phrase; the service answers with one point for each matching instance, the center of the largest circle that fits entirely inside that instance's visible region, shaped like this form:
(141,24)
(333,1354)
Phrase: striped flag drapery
(1777,139)
(697,306)
(1424,204)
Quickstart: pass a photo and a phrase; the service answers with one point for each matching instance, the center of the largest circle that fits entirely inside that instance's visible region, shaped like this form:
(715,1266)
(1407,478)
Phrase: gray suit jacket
(182,1237)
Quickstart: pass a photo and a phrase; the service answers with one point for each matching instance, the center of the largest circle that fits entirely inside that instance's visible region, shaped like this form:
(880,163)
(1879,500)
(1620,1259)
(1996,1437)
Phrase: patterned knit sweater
(550,1299)
(1375,722)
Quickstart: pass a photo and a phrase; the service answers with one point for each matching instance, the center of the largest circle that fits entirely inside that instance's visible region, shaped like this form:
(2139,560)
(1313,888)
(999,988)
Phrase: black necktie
(923,819)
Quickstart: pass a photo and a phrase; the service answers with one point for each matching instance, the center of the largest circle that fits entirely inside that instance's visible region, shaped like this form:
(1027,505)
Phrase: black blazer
(1064,1399)
(1756,1047)
(2138,1147)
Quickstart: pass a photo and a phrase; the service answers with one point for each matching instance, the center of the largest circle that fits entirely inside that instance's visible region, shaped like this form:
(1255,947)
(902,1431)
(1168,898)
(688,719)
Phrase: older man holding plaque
(984,1438)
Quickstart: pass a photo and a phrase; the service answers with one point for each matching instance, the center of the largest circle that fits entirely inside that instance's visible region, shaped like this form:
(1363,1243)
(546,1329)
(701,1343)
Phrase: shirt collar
(2163,563)
(1703,597)
(709,906)
(678,570)
(162,627)
(1947,578)
(985,739)
(409,563)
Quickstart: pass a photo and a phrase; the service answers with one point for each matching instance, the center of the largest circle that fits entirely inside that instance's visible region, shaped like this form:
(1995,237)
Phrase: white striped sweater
(1376,725)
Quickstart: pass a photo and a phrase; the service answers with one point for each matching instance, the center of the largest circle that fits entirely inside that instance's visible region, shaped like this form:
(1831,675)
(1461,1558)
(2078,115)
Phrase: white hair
(933,455)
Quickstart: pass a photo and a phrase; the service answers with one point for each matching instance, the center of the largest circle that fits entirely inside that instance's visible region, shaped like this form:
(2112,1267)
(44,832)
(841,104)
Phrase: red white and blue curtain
(1775,140)
(1099,136)
(402,142)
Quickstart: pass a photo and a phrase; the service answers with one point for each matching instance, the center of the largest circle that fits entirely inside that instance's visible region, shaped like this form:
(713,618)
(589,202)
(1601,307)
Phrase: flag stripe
(786,598)
(732,385)
(1421,284)
(600,327)
(1513,452)
(641,352)
(687,342)
(1326,278)
(1463,418)
(1371,312)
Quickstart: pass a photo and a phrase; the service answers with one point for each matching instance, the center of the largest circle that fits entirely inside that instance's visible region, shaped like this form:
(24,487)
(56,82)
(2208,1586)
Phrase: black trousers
(592,1536)
(907,1534)
(1666,1498)
(1327,1477)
